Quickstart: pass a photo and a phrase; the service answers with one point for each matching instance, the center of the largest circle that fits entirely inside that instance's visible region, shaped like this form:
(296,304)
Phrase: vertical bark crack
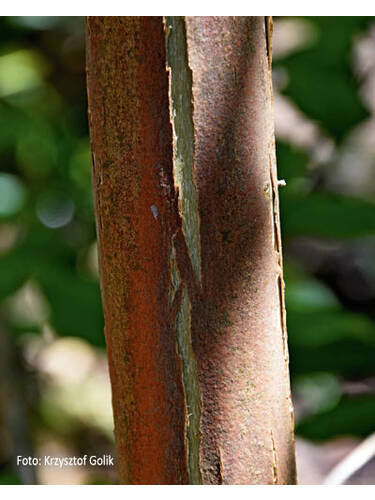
(268,25)
(180,303)
(275,470)
(181,115)
(277,246)
(181,112)
(191,387)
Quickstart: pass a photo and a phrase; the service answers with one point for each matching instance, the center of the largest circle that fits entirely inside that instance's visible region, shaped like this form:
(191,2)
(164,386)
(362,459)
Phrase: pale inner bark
(181,110)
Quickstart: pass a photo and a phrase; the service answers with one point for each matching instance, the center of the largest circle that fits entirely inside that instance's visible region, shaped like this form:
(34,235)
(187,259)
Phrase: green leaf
(75,303)
(12,195)
(345,357)
(313,329)
(74,300)
(353,415)
(14,271)
(7,476)
(321,82)
(291,162)
(310,295)
(326,215)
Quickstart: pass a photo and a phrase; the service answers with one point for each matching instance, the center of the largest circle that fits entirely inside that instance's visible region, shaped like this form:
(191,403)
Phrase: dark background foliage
(53,374)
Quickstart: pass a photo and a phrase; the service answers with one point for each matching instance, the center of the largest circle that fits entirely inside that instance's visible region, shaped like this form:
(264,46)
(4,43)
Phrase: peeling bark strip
(181,111)
(186,206)
(191,387)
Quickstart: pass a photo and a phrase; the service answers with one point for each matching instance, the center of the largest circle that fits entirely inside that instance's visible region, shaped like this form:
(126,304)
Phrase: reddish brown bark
(238,321)
(131,140)
(189,243)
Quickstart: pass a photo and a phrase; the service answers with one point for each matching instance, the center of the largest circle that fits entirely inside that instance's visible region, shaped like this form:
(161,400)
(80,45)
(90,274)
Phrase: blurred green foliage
(330,335)
(47,231)
(353,416)
(318,213)
(320,79)
(45,184)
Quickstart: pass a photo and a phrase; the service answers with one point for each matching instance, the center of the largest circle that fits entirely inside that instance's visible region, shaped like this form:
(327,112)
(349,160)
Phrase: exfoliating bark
(186,205)
(238,318)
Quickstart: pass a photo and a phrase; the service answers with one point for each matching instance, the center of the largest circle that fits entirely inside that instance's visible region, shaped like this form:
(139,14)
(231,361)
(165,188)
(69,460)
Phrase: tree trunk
(186,207)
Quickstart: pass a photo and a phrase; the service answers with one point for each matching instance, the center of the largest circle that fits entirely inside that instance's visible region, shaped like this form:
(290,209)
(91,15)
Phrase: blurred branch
(352,462)
(13,409)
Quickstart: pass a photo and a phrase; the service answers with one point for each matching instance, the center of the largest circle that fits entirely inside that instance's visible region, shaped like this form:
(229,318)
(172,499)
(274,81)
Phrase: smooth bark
(186,206)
